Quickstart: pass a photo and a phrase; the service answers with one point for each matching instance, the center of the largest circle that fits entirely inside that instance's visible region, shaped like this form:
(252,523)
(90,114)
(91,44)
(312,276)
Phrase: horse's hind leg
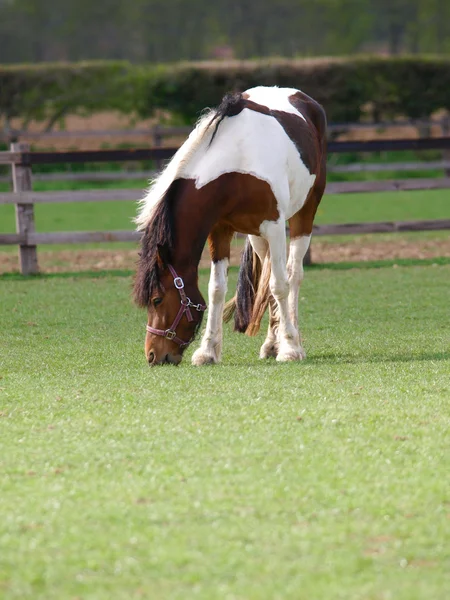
(298,247)
(270,346)
(300,229)
(210,350)
(288,337)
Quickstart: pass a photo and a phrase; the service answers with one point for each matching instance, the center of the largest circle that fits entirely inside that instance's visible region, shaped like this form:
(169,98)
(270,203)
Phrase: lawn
(320,480)
(342,208)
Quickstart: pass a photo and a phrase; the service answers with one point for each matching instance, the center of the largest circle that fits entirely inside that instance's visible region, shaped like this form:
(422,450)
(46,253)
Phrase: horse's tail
(231,105)
(252,295)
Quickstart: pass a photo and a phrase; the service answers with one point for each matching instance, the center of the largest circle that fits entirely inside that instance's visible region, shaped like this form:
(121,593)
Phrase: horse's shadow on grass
(336,358)
(347,357)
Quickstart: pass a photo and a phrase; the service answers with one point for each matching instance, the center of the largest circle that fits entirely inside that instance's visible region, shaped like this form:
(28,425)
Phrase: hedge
(48,91)
(350,89)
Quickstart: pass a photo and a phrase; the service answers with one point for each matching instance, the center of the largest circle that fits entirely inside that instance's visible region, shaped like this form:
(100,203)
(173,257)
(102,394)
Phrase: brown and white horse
(250,165)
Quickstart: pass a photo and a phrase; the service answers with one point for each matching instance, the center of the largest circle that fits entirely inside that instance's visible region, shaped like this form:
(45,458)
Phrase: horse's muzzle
(168,359)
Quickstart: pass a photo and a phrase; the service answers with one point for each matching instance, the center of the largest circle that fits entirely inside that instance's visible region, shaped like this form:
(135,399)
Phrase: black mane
(156,248)
(157,240)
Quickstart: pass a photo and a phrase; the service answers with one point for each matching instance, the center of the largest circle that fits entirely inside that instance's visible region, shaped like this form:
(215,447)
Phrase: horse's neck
(190,237)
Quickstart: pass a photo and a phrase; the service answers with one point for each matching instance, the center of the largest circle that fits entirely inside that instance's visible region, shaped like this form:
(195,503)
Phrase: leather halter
(185,307)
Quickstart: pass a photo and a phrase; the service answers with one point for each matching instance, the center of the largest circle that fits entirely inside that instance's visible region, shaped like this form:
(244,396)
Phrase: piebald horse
(250,165)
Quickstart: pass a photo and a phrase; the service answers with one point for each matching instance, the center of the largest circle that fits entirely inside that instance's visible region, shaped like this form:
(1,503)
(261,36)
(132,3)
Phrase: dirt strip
(322,252)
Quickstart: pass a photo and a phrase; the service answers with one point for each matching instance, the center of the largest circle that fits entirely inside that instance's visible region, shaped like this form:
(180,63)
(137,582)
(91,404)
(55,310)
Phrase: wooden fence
(157,133)
(24,199)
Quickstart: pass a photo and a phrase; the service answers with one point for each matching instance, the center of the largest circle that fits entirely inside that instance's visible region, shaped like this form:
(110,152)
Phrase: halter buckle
(169,334)
(179,283)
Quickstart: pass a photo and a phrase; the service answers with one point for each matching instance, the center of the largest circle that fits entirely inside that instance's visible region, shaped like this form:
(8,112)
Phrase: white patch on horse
(250,143)
(274,98)
(254,144)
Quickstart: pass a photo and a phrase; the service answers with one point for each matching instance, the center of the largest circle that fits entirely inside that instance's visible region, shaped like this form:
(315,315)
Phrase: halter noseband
(186,303)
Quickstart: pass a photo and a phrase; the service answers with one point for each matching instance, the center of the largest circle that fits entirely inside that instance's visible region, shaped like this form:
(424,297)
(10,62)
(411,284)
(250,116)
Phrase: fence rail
(123,155)
(158,133)
(340,187)
(92,176)
(24,199)
(126,235)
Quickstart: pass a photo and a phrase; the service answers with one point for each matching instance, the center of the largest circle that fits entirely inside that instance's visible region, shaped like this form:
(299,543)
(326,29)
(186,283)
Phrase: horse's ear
(163,254)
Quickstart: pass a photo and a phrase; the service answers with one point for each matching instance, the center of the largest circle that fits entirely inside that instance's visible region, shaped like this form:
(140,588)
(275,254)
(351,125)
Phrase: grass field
(320,480)
(342,208)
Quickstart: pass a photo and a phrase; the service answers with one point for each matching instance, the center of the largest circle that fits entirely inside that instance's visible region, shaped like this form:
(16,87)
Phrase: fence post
(21,175)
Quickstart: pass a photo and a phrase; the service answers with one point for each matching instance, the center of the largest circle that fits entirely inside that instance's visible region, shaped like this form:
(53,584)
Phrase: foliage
(251,479)
(350,89)
(50,91)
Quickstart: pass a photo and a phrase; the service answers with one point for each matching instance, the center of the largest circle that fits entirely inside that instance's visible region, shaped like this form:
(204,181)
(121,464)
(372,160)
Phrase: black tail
(241,306)
(231,105)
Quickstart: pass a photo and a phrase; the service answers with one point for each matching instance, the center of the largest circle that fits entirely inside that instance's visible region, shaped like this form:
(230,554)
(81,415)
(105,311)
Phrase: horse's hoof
(268,351)
(200,358)
(291,354)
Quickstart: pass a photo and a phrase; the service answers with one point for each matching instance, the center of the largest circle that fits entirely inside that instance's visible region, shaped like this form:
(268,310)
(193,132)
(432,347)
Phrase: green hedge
(47,91)
(350,89)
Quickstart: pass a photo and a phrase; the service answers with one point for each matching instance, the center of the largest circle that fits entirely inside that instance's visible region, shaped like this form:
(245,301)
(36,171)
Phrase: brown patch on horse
(314,153)
(311,110)
(308,134)
(232,202)
(219,241)
(302,222)
(302,135)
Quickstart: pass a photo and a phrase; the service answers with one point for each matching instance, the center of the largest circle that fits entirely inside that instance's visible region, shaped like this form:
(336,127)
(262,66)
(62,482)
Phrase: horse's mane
(229,106)
(161,184)
(156,244)
(155,216)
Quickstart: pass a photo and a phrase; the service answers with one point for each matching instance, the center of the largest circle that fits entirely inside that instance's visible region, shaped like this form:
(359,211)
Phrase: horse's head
(175,312)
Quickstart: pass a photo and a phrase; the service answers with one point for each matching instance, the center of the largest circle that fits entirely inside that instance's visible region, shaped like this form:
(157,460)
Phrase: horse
(248,166)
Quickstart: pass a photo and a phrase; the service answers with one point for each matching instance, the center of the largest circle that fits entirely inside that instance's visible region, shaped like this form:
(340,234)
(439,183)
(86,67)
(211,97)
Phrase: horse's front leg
(288,336)
(210,351)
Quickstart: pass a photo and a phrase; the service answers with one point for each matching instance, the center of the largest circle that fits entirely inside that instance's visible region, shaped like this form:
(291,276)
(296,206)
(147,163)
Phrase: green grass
(324,479)
(342,208)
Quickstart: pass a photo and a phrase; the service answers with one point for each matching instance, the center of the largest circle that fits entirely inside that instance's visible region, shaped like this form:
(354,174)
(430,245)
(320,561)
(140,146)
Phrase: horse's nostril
(151,357)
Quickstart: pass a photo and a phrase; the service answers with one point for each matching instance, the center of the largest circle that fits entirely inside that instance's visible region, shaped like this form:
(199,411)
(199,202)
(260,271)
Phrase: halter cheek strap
(185,308)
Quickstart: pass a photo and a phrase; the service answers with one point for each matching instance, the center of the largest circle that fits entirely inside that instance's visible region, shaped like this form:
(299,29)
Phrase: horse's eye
(156,301)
